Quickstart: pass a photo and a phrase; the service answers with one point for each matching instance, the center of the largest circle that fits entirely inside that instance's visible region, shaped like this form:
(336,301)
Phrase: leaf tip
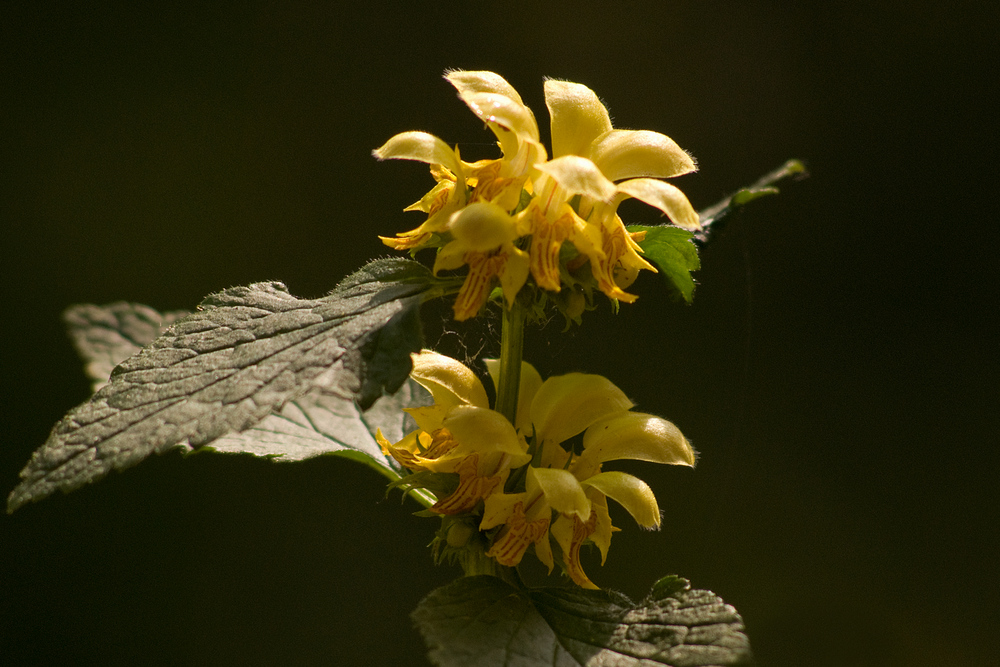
(668,586)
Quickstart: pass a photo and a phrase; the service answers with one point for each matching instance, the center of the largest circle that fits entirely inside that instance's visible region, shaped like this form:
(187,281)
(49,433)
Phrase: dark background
(837,371)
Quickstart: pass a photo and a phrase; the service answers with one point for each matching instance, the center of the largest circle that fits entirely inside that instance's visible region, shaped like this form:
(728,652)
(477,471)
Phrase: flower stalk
(511,353)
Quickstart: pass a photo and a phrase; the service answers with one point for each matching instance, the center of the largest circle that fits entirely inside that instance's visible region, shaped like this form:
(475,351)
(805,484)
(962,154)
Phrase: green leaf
(320,423)
(673,253)
(245,354)
(316,424)
(484,622)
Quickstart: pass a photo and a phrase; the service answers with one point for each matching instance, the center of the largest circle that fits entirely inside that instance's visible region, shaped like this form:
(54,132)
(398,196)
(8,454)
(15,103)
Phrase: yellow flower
(551,220)
(634,159)
(565,494)
(457,434)
(483,236)
(574,487)
(460,183)
(444,199)
(471,201)
(572,198)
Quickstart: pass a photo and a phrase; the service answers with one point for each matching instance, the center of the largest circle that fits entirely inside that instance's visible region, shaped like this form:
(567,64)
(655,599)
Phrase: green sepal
(440,484)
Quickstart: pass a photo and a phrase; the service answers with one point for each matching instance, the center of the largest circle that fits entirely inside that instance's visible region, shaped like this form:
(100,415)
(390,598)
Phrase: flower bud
(459,534)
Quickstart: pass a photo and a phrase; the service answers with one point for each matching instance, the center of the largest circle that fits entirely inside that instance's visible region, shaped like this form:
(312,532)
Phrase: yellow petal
(634,436)
(665,197)
(631,493)
(451,256)
(570,532)
(561,489)
(482,227)
(543,551)
(403,450)
(578,117)
(472,83)
(429,417)
(496,109)
(630,153)
(509,264)
(423,147)
(519,532)
(473,486)
(450,382)
(468,83)
(553,455)
(484,430)
(434,200)
(619,260)
(603,529)
(548,233)
(565,405)
(514,273)
(476,287)
(499,507)
(528,386)
(579,176)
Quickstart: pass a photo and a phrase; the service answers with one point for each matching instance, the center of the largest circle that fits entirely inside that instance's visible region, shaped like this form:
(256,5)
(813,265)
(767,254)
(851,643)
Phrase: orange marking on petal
(515,537)
(483,268)
(471,488)
(581,531)
(441,443)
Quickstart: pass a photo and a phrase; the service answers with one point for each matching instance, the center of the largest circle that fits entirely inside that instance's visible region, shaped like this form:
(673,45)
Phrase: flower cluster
(505,488)
(526,214)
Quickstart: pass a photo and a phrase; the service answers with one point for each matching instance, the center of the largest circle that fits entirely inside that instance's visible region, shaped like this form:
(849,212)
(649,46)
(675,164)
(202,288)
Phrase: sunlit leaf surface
(484,622)
(246,353)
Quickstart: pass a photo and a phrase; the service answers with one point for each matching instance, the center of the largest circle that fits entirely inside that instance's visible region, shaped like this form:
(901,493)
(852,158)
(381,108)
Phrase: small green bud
(459,534)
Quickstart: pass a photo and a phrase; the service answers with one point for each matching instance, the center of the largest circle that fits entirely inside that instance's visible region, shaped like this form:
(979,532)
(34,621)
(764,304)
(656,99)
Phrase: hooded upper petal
(471,84)
(530,381)
(485,430)
(579,176)
(633,435)
(481,227)
(566,405)
(561,489)
(450,382)
(578,117)
(468,83)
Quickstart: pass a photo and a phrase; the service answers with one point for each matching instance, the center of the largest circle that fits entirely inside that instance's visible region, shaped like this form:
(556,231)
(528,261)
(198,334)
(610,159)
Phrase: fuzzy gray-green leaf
(245,354)
(485,622)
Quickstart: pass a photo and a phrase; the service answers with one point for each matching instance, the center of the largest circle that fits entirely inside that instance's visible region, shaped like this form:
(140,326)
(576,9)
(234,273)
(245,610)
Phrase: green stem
(511,352)
(475,562)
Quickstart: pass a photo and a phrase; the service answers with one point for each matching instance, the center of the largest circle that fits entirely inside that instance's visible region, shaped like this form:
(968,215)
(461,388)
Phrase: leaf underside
(484,622)
(247,353)
(105,336)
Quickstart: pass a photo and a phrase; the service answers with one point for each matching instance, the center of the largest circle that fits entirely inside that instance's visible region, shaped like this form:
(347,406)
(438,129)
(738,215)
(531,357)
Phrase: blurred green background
(837,370)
